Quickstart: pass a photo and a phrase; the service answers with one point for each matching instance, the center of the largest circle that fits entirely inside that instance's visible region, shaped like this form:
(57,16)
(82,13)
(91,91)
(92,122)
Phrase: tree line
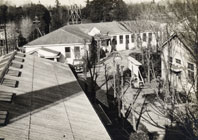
(51,18)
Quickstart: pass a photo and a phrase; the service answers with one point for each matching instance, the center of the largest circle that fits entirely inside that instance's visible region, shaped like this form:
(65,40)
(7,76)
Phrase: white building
(182,68)
(71,46)
(73,40)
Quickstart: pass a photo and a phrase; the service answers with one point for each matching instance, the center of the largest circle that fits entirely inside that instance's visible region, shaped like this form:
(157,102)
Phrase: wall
(60,48)
(181,79)
(131,44)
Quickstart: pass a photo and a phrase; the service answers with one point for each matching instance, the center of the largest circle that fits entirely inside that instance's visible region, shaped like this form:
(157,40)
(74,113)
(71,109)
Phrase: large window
(133,38)
(77,52)
(144,37)
(68,52)
(121,39)
(150,37)
(127,39)
(191,72)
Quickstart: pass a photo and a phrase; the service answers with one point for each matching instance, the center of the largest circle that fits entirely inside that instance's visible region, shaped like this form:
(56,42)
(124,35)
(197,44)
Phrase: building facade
(73,41)
(178,64)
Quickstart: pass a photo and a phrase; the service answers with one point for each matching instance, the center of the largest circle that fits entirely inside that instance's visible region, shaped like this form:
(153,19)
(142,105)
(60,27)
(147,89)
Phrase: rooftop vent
(19,59)
(10,83)
(16,65)
(20,54)
(14,73)
(6,96)
(3,117)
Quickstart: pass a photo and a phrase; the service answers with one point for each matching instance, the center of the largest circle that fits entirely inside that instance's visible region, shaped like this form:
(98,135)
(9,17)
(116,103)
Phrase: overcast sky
(63,2)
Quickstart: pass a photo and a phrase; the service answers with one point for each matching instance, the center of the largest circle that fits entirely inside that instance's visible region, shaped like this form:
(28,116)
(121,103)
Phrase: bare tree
(26,27)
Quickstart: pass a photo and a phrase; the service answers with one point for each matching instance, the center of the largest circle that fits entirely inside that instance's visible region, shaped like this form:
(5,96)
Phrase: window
(77,52)
(127,39)
(67,52)
(121,39)
(191,66)
(178,61)
(133,38)
(150,37)
(114,40)
(191,72)
(1,42)
(144,37)
(171,60)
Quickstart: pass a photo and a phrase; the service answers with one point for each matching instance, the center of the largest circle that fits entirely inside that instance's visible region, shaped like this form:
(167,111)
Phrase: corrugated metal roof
(49,105)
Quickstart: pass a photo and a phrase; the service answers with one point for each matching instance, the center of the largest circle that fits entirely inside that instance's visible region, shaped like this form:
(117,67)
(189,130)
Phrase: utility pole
(148,61)
(6,40)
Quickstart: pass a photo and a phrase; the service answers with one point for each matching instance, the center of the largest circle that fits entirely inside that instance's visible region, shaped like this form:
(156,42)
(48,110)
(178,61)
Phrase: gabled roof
(182,40)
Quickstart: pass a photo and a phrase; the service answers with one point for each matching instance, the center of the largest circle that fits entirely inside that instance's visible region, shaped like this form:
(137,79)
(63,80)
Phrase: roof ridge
(80,37)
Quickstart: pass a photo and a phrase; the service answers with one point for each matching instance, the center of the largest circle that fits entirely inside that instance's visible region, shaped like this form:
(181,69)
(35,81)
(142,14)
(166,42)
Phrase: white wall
(131,44)
(60,48)
(178,51)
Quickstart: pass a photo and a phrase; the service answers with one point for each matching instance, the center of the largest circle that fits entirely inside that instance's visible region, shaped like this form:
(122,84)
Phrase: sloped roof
(104,27)
(60,36)
(49,104)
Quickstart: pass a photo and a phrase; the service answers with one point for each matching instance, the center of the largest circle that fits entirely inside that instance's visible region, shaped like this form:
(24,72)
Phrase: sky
(63,2)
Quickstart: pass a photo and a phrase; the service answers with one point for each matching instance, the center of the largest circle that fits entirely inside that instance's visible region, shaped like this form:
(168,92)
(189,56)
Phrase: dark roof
(48,104)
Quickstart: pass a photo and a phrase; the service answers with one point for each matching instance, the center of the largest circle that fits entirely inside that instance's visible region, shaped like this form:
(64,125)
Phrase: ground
(105,105)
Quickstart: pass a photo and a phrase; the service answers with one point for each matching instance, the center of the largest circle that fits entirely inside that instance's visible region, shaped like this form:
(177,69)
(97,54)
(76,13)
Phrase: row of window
(133,36)
(178,61)
(76,52)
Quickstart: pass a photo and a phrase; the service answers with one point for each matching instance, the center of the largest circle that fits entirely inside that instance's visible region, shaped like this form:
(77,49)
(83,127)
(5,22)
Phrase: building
(74,40)
(42,100)
(48,54)
(177,60)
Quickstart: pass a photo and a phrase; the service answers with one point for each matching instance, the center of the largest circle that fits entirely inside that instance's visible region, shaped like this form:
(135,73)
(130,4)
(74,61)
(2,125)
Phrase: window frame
(191,72)
(144,37)
(127,39)
(178,61)
(121,39)
(150,37)
(67,52)
(132,38)
(75,53)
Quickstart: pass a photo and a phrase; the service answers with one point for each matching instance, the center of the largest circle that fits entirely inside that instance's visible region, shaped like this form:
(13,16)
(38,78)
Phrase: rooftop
(48,104)
(78,33)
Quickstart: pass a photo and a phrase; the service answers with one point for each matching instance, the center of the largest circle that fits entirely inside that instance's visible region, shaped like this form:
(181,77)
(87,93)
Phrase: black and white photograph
(98,69)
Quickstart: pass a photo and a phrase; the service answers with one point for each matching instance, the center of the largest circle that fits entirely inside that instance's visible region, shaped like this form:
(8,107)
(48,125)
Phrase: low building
(48,54)
(42,100)
(178,64)
(74,40)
